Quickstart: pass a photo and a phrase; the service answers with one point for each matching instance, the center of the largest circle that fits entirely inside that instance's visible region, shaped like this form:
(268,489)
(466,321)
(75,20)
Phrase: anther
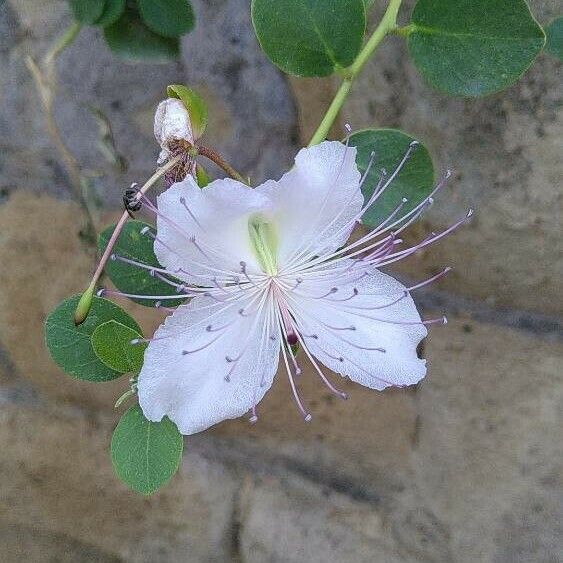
(308,417)
(253,419)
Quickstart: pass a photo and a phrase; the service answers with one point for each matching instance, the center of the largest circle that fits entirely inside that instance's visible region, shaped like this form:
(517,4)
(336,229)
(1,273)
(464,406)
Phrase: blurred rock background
(466,467)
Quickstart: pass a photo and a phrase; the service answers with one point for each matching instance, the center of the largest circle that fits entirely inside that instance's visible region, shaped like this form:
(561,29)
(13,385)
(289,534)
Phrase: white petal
(316,200)
(191,389)
(172,121)
(217,216)
(332,317)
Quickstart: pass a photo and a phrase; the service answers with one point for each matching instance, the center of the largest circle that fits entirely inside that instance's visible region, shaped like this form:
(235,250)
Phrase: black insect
(131,201)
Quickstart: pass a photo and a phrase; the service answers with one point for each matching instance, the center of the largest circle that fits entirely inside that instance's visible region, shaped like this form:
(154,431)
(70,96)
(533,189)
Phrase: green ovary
(264,243)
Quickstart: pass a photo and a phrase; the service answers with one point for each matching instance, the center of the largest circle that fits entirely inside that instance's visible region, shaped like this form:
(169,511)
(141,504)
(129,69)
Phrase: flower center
(264,242)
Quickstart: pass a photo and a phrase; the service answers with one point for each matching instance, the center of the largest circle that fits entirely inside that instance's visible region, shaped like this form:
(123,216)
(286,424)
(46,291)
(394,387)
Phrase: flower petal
(350,327)
(217,216)
(201,388)
(316,200)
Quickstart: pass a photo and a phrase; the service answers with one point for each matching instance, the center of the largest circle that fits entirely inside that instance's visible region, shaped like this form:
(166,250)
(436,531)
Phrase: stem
(45,81)
(62,43)
(84,304)
(387,24)
(221,163)
(123,219)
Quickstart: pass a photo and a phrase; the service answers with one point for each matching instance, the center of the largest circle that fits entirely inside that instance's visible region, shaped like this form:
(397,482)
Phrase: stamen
(430,280)
(195,350)
(183,202)
(105,291)
(354,294)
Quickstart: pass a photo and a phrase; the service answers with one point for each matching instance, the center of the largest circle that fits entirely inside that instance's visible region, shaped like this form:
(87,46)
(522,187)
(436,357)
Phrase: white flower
(266,269)
(171,123)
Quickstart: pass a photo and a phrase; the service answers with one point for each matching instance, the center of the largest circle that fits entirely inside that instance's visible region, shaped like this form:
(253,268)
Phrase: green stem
(387,24)
(62,43)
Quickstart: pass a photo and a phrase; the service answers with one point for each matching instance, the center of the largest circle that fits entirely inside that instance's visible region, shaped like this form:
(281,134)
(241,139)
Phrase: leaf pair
(145,454)
(72,346)
(461,47)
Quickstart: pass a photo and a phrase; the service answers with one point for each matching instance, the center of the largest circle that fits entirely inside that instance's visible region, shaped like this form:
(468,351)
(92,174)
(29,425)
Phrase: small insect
(130,200)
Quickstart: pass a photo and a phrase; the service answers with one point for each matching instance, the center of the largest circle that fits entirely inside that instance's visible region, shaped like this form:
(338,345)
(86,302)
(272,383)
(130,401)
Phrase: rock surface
(466,467)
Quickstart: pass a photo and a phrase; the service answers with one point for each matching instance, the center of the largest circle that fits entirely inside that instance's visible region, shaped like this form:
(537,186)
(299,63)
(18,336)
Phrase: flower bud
(171,123)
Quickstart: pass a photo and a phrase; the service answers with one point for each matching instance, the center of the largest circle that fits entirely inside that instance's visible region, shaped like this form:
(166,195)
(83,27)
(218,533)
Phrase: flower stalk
(83,307)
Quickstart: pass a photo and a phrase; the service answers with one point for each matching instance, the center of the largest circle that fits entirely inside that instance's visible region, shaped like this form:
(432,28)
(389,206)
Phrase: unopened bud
(84,305)
(171,123)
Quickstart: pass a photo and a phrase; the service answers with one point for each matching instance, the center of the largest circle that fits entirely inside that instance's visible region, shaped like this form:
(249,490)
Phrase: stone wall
(466,467)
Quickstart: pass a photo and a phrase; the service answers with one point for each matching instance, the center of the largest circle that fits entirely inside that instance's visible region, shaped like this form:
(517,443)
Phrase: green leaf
(310,37)
(554,32)
(145,454)
(414,182)
(169,18)
(111,342)
(201,176)
(194,103)
(131,39)
(473,47)
(87,11)
(111,13)
(70,346)
(133,245)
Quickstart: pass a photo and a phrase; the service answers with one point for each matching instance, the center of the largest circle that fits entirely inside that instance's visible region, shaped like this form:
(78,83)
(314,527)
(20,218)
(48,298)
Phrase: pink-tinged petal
(367,329)
(203,233)
(315,202)
(202,387)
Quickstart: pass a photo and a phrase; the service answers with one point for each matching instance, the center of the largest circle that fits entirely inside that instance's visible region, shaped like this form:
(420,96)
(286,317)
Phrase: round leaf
(131,39)
(170,18)
(145,454)
(111,13)
(111,342)
(473,47)
(310,37)
(70,346)
(414,182)
(133,245)
(194,103)
(87,11)
(554,32)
